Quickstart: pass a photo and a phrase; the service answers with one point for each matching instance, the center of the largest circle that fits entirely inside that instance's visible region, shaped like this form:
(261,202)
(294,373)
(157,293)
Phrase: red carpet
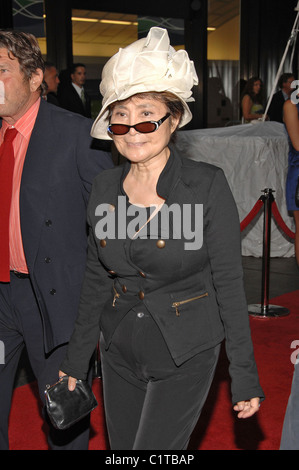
(218,427)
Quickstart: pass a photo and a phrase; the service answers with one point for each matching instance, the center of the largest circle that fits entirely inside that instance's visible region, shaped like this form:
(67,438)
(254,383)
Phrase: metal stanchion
(264,310)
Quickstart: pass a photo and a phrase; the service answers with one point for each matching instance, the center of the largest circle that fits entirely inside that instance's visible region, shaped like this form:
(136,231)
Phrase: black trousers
(150,403)
(20,324)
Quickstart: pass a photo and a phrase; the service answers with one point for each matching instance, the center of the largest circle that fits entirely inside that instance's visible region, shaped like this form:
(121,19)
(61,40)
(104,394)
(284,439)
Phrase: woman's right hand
(71,382)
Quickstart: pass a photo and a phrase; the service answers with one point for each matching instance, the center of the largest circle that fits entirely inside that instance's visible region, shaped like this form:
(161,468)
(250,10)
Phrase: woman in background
(253,100)
(291,120)
(290,431)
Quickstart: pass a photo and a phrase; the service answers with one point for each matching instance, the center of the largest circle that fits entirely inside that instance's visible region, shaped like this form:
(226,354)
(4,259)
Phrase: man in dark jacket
(51,80)
(43,235)
(276,107)
(72,95)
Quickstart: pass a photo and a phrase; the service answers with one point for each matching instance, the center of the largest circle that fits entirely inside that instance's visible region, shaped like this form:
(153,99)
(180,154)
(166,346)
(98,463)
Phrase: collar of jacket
(167,178)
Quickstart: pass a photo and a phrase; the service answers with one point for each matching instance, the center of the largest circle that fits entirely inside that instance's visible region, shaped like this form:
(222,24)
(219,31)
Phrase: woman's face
(257,87)
(135,146)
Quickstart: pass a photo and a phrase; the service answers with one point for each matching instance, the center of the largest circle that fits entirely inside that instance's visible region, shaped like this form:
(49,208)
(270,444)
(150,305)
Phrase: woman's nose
(133,131)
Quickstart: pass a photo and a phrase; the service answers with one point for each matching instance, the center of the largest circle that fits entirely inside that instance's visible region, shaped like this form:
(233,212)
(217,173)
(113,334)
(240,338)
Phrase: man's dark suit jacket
(161,273)
(59,168)
(69,99)
(275,111)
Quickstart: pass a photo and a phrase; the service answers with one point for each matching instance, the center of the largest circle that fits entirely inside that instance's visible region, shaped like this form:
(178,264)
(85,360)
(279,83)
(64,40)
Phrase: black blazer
(69,99)
(195,296)
(59,168)
(275,111)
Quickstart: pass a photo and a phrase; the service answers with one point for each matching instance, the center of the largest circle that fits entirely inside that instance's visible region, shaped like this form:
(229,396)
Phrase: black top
(193,288)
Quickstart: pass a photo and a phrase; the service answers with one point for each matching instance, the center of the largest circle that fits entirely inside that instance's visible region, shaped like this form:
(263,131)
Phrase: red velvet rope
(280,222)
(254,211)
(256,208)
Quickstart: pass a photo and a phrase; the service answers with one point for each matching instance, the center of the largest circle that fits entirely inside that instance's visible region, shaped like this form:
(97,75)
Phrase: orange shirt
(24,127)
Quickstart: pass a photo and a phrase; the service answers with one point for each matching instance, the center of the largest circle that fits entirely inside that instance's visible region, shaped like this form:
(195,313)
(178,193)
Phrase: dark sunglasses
(145,127)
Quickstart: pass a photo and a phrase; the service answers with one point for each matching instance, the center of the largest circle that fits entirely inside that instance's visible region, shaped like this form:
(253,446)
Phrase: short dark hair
(25,48)
(284,78)
(75,66)
(49,65)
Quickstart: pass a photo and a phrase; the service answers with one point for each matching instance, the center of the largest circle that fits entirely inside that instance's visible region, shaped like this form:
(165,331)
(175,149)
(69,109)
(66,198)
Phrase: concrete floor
(283,278)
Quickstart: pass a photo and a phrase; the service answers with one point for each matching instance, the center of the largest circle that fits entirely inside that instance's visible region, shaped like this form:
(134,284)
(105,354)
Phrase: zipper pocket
(116,296)
(176,305)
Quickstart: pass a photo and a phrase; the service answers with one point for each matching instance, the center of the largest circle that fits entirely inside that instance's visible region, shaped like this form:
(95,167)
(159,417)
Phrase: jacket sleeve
(224,248)
(96,290)
(91,159)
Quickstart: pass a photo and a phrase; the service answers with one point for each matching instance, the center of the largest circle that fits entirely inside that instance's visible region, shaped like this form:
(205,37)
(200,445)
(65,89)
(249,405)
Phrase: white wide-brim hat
(147,65)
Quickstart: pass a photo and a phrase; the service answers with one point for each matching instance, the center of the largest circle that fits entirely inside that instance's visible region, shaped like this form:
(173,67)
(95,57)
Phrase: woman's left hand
(247,408)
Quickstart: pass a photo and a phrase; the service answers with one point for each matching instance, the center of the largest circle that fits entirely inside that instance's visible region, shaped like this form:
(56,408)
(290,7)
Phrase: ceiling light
(96,20)
(90,20)
(126,23)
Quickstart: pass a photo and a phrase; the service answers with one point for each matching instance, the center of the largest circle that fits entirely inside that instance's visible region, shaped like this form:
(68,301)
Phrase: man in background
(275,112)
(52,81)
(72,95)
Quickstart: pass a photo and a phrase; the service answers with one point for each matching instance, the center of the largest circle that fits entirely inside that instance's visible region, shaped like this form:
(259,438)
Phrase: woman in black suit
(163,281)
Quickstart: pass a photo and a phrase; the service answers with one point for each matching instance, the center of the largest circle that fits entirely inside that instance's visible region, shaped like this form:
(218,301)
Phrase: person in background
(162,307)
(253,100)
(290,430)
(72,95)
(275,111)
(47,164)
(291,120)
(52,81)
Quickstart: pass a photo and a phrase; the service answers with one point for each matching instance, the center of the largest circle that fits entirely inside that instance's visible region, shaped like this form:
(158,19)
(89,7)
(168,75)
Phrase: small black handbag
(66,407)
